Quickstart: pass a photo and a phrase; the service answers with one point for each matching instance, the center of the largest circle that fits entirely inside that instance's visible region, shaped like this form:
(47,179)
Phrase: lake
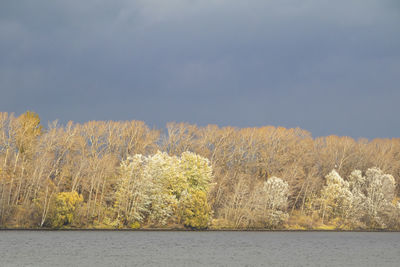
(155,248)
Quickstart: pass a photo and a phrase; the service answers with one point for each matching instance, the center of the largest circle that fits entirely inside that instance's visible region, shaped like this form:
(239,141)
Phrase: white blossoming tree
(161,188)
(367,199)
(336,197)
(270,202)
(376,192)
(168,183)
(132,197)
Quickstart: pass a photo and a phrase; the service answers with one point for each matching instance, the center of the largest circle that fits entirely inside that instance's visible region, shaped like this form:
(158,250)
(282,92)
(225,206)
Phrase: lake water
(136,248)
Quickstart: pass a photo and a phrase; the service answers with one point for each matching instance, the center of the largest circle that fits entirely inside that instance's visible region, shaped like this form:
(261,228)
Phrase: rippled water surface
(128,248)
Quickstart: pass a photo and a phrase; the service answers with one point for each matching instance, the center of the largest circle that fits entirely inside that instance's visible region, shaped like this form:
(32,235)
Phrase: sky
(329,67)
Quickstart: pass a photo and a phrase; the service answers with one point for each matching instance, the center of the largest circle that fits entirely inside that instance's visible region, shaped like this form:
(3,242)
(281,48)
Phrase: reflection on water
(124,248)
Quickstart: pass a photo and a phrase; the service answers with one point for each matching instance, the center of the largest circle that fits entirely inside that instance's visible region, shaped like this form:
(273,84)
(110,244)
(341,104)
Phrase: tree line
(108,174)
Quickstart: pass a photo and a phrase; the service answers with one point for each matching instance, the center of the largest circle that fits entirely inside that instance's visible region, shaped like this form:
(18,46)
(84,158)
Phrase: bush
(196,213)
(65,206)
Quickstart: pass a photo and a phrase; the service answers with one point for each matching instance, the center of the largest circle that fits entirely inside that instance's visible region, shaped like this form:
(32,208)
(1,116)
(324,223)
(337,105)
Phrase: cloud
(331,67)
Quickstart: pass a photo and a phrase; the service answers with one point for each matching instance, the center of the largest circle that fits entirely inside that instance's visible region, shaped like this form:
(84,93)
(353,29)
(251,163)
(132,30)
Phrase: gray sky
(330,67)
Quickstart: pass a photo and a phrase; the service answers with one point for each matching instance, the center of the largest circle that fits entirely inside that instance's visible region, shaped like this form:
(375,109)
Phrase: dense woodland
(106,174)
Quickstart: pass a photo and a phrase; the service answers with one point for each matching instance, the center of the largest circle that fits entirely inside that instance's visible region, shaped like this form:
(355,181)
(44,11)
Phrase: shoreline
(192,230)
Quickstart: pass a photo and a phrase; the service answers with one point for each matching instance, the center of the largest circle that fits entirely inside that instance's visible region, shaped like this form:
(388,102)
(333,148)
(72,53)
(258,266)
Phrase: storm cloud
(330,67)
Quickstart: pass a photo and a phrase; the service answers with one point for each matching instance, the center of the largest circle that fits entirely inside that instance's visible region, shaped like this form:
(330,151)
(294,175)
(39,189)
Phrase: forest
(126,175)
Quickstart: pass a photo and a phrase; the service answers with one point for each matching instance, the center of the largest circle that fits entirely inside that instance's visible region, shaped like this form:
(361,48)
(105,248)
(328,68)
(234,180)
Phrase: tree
(160,186)
(270,203)
(367,199)
(376,191)
(28,128)
(336,197)
(132,197)
(196,171)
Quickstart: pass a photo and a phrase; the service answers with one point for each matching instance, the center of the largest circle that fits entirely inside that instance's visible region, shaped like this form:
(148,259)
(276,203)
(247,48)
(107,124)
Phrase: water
(124,248)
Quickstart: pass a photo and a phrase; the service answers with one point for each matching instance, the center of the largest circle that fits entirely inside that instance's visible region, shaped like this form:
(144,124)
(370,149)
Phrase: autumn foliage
(105,174)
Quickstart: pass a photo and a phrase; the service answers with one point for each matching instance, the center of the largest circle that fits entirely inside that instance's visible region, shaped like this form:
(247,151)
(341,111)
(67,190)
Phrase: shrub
(65,206)
(196,213)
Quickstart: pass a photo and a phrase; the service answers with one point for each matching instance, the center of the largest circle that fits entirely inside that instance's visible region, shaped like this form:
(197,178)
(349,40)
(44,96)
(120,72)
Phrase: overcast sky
(330,67)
